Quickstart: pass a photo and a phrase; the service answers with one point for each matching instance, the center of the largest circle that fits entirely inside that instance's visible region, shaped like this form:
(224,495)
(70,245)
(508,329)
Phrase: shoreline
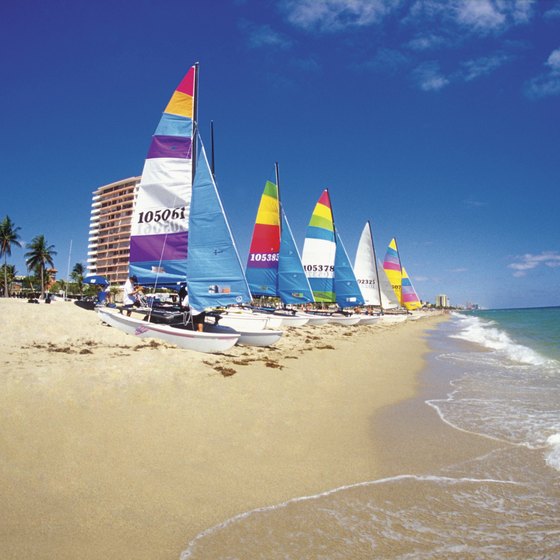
(121,447)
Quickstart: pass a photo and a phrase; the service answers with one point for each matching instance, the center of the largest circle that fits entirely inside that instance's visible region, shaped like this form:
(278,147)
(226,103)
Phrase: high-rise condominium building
(109,229)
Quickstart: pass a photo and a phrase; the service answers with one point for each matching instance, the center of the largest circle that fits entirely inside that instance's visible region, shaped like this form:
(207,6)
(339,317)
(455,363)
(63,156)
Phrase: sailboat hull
(369,319)
(263,337)
(347,320)
(207,342)
(243,321)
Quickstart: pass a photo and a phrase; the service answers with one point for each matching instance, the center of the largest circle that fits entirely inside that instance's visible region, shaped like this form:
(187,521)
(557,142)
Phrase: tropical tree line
(38,258)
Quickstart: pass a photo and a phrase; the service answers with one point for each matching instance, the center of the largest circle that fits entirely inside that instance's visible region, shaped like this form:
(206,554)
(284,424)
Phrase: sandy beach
(114,447)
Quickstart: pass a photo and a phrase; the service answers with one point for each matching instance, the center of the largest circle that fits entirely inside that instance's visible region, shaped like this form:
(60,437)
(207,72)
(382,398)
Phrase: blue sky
(438,120)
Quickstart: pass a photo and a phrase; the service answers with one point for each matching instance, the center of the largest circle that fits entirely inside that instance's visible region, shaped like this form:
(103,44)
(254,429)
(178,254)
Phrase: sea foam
(474,329)
(553,455)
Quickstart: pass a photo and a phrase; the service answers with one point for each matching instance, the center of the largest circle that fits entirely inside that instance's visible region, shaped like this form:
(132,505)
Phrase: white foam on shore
(188,552)
(474,329)
(553,456)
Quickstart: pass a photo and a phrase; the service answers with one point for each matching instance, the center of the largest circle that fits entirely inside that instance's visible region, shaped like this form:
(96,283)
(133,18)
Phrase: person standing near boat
(196,316)
(130,294)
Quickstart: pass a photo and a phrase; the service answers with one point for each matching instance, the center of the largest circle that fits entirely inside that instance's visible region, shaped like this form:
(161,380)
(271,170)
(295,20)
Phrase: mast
(400,266)
(277,178)
(376,268)
(212,166)
(195,120)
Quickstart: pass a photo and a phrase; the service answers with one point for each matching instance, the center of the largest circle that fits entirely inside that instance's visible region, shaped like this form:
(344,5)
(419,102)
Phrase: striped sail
(365,268)
(400,282)
(319,250)
(409,296)
(392,268)
(159,229)
(215,276)
(293,285)
(262,263)
(346,287)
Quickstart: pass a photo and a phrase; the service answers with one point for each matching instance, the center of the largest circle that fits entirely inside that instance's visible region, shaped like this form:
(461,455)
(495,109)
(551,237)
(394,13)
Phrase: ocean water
(498,375)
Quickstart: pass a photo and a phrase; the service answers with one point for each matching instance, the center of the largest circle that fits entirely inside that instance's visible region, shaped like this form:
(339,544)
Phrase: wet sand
(114,447)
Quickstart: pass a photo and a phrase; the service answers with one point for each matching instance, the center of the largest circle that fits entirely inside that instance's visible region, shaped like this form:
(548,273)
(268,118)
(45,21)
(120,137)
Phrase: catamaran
(327,266)
(399,279)
(180,233)
(274,267)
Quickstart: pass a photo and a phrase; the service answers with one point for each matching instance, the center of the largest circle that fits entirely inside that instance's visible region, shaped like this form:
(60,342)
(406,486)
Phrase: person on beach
(130,294)
(196,316)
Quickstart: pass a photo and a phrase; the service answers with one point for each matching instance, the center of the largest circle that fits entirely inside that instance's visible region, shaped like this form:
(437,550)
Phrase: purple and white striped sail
(159,230)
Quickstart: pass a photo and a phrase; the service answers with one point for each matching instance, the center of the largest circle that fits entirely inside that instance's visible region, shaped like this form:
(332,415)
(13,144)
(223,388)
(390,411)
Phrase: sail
(262,263)
(400,282)
(159,229)
(215,276)
(388,296)
(392,268)
(319,251)
(410,298)
(293,285)
(346,287)
(367,272)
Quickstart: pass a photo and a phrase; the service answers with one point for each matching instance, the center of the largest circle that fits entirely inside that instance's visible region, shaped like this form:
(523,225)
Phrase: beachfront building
(442,301)
(109,229)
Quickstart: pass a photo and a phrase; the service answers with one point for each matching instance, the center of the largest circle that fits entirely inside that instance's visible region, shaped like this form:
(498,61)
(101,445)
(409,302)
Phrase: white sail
(367,275)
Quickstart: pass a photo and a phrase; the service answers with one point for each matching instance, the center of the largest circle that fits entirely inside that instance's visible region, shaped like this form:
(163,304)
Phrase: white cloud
(264,36)
(331,16)
(426,42)
(529,261)
(547,83)
(472,69)
(553,12)
(429,77)
(477,17)
(482,15)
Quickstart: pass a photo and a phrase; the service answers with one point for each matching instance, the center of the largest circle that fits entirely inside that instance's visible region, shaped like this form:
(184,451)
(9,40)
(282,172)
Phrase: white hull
(244,321)
(277,320)
(207,342)
(344,319)
(294,320)
(394,318)
(370,319)
(316,320)
(264,337)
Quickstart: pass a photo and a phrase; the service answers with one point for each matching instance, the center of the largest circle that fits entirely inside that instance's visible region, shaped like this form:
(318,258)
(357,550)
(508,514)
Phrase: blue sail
(346,287)
(293,285)
(215,276)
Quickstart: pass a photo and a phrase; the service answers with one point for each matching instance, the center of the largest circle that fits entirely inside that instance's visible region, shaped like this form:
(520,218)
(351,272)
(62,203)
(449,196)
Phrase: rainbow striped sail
(262,263)
(400,282)
(319,251)
(159,230)
(409,296)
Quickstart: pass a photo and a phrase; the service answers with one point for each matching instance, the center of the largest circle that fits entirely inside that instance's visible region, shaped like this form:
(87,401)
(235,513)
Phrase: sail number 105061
(161,215)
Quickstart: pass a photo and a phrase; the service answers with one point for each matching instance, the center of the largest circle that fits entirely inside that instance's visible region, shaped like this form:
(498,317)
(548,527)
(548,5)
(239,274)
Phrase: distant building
(109,229)
(442,301)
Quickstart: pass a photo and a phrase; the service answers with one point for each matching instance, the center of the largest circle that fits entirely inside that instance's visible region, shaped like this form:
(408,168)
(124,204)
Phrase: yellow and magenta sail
(262,263)
(399,280)
(159,229)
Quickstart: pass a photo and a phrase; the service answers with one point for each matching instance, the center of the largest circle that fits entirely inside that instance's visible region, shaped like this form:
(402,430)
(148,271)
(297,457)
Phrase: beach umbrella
(97,280)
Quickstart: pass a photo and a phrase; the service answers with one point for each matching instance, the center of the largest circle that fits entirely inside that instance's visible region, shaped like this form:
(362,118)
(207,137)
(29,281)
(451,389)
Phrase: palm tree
(39,255)
(8,236)
(78,276)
